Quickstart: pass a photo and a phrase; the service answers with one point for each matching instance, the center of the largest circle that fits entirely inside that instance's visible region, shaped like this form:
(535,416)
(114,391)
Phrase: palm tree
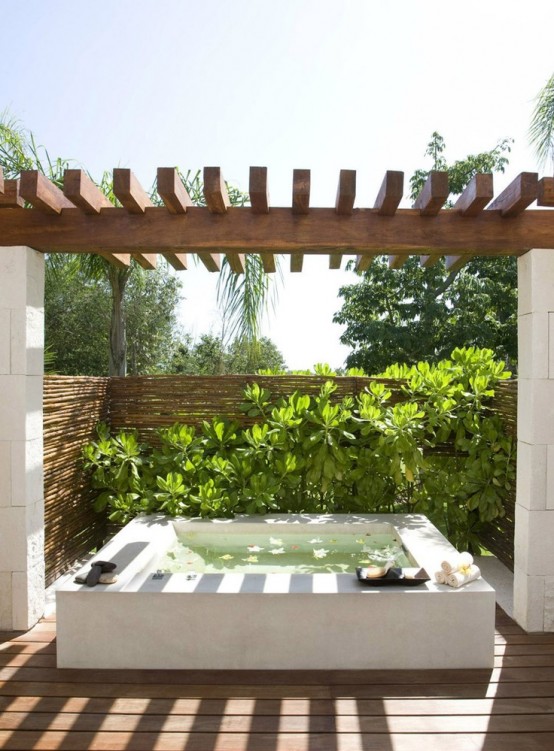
(541,131)
(242,300)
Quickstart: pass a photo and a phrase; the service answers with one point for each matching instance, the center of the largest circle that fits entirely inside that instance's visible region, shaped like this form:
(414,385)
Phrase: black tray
(395,577)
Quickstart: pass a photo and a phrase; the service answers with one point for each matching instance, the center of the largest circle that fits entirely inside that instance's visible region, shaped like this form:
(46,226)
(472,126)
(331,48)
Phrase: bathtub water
(286,618)
(209,552)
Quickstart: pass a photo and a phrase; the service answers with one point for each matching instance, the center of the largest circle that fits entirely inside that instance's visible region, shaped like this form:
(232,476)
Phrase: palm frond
(541,131)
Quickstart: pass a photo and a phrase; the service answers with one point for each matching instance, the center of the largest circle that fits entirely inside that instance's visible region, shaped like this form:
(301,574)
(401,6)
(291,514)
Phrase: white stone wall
(534,532)
(21,447)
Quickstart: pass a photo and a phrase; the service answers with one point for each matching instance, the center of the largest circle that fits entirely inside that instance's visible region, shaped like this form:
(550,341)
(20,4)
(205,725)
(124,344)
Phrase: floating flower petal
(254,548)
(320,553)
(226,557)
(275,541)
(277,551)
(251,559)
(315,541)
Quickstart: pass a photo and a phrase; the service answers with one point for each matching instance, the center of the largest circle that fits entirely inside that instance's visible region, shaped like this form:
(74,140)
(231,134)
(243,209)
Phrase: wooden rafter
(344,205)
(455,263)
(433,194)
(135,200)
(390,194)
(259,204)
(476,196)
(545,192)
(396,261)
(172,191)
(519,194)
(11,197)
(215,191)
(42,194)
(1,181)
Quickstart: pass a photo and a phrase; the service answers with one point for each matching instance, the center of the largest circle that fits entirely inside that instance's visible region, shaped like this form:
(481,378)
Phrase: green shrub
(317,454)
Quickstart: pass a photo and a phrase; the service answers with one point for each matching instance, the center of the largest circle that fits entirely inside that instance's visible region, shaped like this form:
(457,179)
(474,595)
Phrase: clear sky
(354,84)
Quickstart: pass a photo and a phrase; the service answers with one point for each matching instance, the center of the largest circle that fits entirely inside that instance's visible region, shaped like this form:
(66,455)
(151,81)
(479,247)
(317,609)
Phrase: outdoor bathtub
(256,621)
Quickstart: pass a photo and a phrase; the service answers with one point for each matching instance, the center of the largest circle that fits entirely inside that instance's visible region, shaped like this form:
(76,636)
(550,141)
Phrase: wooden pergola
(80,219)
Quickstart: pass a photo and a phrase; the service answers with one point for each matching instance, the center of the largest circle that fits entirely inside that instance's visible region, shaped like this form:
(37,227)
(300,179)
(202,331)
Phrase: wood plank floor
(508,708)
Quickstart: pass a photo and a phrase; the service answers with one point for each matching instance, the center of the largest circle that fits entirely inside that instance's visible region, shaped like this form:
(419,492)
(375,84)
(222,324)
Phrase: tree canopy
(416,313)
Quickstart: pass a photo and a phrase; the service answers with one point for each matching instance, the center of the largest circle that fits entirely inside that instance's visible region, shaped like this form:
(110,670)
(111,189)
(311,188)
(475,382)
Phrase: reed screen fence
(74,405)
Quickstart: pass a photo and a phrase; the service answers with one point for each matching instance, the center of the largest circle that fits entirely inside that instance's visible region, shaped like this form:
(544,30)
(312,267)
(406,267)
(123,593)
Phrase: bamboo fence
(74,405)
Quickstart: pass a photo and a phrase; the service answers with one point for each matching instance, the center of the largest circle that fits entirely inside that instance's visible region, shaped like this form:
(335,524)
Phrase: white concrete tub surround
(21,454)
(272,621)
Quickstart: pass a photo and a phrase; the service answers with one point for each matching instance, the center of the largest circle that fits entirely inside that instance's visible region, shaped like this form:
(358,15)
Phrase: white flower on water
(277,551)
(315,541)
(320,552)
(275,541)
(251,559)
(254,549)
(226,557)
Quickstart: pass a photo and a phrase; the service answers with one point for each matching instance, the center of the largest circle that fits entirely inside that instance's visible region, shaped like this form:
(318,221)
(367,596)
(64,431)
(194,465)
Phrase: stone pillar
(21,450)
(534,518)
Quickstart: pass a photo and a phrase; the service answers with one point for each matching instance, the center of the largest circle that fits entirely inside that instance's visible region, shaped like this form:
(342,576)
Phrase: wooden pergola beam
(212,261)
(363,263)
(545,192)
(301,191)
(322,231)
(215,191)
(519,194)
(11,198)
(455,263)
(135,200)
(346,192)
(296,262)
(237,262)
(179,261)
(258,191)
(1,181)
(268,263)
(42,194)
(83,193)
(396,261)
(478,193)
(390,194)
(428,261)
(335,260)
(433,194)
(172,191)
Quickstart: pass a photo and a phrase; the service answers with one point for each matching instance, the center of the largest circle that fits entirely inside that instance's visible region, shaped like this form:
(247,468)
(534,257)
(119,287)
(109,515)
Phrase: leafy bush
(317,454)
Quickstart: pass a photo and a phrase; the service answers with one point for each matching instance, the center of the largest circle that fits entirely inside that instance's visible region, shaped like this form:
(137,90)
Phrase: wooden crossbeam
(363,263)
(215,191)
(42,194)
(320,233)
(236,261)
(335,260)
(545,192)
(268,263)
(428,261)
(390,194)
(433,194)
(129,191)
(120,260)
(11,198)
(259,204)
(212,261)
(1,181)
(301,191)
(135,200)
(257,189)
(296,262)
(172,191)
(83,193)
(519,194)
(455,263)
(346,192)
(396,262)
(179,261)
(476,196)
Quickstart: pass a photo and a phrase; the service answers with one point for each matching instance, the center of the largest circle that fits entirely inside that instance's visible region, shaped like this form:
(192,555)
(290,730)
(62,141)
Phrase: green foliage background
(309,454)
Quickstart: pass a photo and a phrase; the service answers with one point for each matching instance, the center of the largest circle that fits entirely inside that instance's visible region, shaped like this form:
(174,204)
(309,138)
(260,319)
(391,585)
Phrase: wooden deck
(510,707)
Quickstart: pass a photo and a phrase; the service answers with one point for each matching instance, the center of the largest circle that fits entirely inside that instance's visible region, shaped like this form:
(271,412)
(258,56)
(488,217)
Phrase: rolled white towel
(458,578)
(440,577)
(456,562)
